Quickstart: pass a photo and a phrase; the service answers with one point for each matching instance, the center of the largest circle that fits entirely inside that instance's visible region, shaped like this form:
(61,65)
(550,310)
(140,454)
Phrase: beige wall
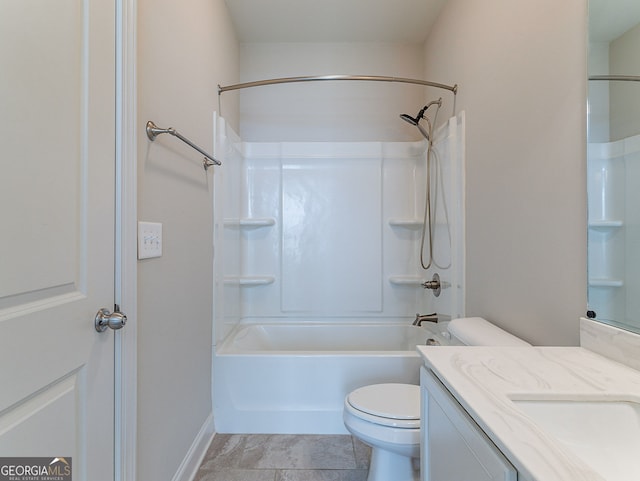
(185,49)
(329,111)
(521,68)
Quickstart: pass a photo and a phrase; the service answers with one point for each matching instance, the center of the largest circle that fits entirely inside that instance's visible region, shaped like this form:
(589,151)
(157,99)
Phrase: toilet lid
(393,401)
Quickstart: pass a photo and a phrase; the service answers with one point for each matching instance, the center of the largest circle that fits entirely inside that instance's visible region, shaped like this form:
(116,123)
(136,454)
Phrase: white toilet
(387,416)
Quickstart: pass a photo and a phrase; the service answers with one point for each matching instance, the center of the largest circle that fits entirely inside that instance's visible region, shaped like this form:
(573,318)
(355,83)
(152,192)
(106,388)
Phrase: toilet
(386,417)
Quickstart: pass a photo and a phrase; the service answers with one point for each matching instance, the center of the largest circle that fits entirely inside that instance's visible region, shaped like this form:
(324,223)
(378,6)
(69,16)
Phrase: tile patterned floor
(284,457)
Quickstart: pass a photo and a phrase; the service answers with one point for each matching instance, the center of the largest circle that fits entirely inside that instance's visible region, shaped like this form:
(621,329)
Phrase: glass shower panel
(613,177)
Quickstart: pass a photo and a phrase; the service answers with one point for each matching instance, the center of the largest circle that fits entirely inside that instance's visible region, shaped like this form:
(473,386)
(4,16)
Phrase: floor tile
(225,451)
(362,454)
(299,452)
(322,475)
(234,474)
(282,457)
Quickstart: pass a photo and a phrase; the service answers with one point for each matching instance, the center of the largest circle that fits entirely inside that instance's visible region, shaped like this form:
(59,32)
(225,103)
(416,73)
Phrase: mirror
(613,163)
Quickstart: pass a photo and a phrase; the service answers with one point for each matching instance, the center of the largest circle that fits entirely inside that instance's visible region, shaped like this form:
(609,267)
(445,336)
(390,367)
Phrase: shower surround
(326,232)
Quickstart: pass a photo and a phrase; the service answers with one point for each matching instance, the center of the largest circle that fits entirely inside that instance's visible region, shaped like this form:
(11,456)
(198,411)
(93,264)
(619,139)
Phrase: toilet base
(386,465)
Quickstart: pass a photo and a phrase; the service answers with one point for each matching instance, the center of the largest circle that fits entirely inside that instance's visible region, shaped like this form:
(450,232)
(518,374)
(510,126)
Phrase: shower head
(416,120)
(408,118)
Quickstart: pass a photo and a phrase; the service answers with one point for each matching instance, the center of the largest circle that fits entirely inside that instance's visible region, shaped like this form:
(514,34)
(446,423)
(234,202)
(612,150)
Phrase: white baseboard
(191,462)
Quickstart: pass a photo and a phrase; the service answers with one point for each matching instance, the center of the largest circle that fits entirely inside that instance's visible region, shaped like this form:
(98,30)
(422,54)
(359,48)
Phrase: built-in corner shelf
(406,223)
(406,280)
(249,281)
(605,282)
(605,224)
(250,222)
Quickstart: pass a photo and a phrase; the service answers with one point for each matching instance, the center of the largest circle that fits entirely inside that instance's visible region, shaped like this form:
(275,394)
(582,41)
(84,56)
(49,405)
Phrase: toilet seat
(396,405)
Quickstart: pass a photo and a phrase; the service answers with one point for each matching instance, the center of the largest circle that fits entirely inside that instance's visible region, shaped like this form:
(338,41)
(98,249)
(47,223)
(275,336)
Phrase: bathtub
(292,378)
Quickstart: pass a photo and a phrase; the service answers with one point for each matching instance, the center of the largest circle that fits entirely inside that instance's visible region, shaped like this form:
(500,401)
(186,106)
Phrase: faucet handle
(434,284)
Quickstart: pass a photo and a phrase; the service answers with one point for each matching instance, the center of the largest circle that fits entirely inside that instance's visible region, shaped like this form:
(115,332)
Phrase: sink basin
(603,434)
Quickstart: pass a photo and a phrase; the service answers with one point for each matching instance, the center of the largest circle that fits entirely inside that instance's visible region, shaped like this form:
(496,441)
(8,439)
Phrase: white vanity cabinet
(453,446)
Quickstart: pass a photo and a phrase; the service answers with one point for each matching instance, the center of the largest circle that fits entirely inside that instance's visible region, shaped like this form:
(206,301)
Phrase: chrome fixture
(420,318)
(153,131)
(428,225)
(433,284)
(115,320)
(416,120)
(260,83)
(623,78)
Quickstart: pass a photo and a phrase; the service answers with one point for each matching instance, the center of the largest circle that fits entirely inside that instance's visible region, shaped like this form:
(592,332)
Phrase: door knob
(115,320)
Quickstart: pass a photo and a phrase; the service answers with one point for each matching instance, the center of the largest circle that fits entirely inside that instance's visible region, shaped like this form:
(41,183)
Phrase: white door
(57,191)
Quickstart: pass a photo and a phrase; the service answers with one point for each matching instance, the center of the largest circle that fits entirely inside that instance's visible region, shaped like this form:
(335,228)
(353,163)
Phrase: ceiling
(382,20)
(393,21)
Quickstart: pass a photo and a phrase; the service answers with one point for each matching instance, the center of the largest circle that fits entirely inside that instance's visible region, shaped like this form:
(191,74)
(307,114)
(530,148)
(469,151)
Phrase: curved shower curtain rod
(374,78)
(624,78)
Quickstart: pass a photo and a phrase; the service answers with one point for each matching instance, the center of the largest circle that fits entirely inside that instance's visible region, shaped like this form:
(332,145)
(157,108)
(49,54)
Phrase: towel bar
(153,131)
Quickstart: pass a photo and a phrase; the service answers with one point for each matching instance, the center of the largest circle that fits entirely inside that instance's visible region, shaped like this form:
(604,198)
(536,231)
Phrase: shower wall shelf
(406,280)
(406,223)
(250,222)
(605,224)
(606,283)
(249,281)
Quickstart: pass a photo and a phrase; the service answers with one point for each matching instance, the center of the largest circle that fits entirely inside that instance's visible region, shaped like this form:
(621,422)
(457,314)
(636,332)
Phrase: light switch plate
(149,240)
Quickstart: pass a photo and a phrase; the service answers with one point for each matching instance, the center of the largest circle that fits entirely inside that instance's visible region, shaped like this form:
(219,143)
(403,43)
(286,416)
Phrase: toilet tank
(476,331)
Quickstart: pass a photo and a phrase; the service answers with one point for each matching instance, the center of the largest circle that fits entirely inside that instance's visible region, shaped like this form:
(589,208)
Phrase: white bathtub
(293,377)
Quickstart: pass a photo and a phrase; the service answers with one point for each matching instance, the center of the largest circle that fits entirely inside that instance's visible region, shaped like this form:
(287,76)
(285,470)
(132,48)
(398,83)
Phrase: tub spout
(425,317)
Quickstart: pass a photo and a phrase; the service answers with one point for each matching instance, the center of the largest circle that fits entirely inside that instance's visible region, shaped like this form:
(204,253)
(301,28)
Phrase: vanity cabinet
(453,447)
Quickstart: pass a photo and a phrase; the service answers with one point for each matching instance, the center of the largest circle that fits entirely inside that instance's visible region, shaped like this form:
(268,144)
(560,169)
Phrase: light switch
(149,240)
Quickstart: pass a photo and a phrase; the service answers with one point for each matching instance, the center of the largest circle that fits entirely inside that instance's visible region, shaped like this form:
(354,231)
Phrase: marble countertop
(486,381)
